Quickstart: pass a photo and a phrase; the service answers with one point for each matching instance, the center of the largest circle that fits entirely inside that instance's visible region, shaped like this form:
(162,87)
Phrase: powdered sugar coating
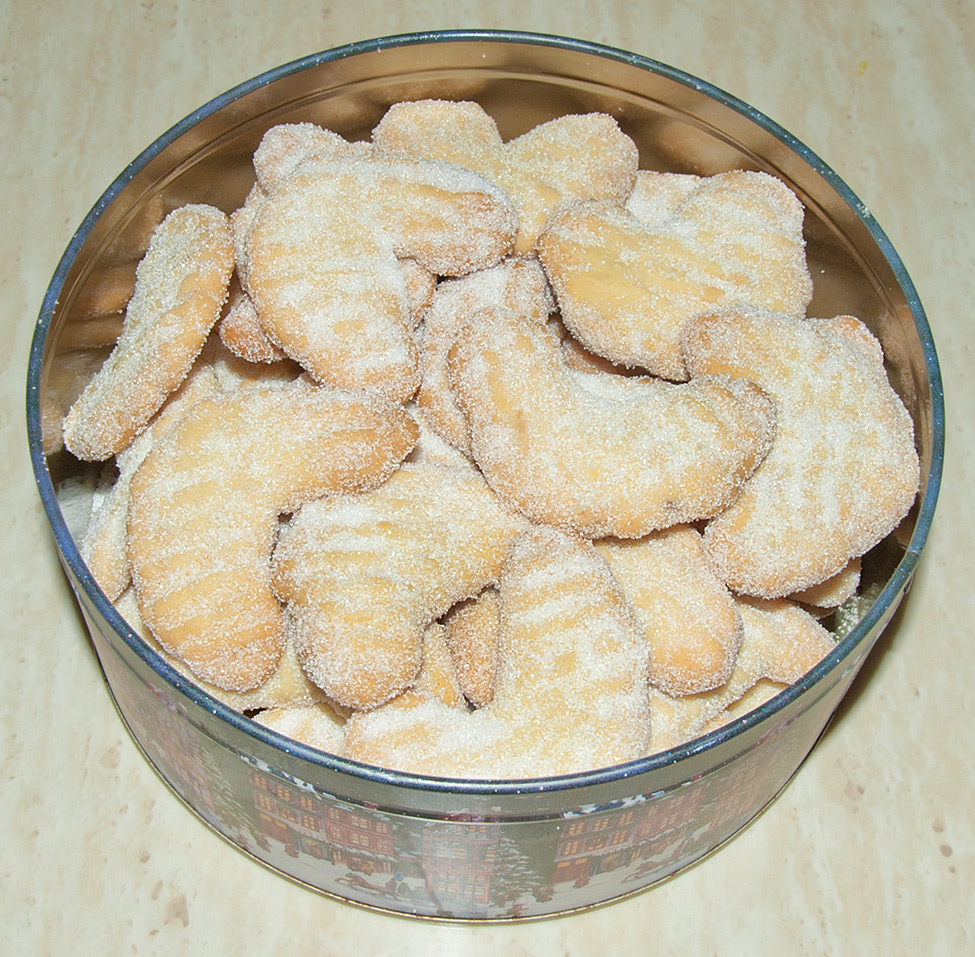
(181,284)
(843,470)
(204,513)
(599,454)
(571,690)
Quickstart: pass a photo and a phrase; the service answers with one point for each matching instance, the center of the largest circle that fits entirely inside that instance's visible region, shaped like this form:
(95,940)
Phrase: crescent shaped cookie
(181,284)
(282,149)
(843,470)
(321,260)
(564,617)
(471,631)
(692,625)
(364,575)
(516,283)
(240,326)
(104,546)
(599,454)
(573,157)
(625,289)
(204,508)
(690,620)
(780,643)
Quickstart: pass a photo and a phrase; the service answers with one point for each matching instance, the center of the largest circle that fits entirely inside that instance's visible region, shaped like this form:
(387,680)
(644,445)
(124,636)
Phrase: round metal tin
(474,850)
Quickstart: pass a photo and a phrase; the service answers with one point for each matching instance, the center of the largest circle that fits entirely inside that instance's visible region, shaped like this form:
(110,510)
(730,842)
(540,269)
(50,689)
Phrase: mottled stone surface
(870,850)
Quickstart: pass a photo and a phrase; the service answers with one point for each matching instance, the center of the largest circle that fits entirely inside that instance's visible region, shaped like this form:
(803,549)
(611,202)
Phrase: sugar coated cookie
(181,284)
(780,643)
(578,156)
(626,289)
(286,687)
(479,458)
(321,260)
(843,470)
(366,574)
(571,690)
(601,455)
(692,626)
(204,508)
(517,283)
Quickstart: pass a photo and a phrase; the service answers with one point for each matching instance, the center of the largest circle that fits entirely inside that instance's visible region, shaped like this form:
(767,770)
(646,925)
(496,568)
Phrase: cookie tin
(442,848)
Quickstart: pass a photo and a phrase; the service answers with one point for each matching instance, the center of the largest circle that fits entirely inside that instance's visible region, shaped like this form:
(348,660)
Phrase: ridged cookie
(321,260)
(571,693)
(105,545)
(843,470)
(625,289)
(601,455)
(364,575)
(204,509)
(286,687)
(181,284)
(573,157)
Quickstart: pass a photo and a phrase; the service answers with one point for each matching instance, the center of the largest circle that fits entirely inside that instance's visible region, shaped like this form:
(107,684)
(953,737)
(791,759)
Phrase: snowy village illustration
(469,866)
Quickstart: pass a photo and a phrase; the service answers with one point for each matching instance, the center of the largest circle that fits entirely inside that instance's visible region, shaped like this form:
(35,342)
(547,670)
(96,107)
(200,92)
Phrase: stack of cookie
(487,459)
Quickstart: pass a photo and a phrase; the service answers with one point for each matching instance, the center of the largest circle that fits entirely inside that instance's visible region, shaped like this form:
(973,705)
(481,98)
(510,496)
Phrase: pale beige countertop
(870,850)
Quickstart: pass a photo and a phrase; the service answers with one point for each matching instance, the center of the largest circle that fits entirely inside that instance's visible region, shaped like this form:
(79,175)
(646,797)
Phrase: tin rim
(868,627)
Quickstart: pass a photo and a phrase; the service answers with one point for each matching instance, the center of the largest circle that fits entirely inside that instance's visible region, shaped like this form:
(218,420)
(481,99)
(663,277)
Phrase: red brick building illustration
(304,823)
(601,842)
(459,862)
